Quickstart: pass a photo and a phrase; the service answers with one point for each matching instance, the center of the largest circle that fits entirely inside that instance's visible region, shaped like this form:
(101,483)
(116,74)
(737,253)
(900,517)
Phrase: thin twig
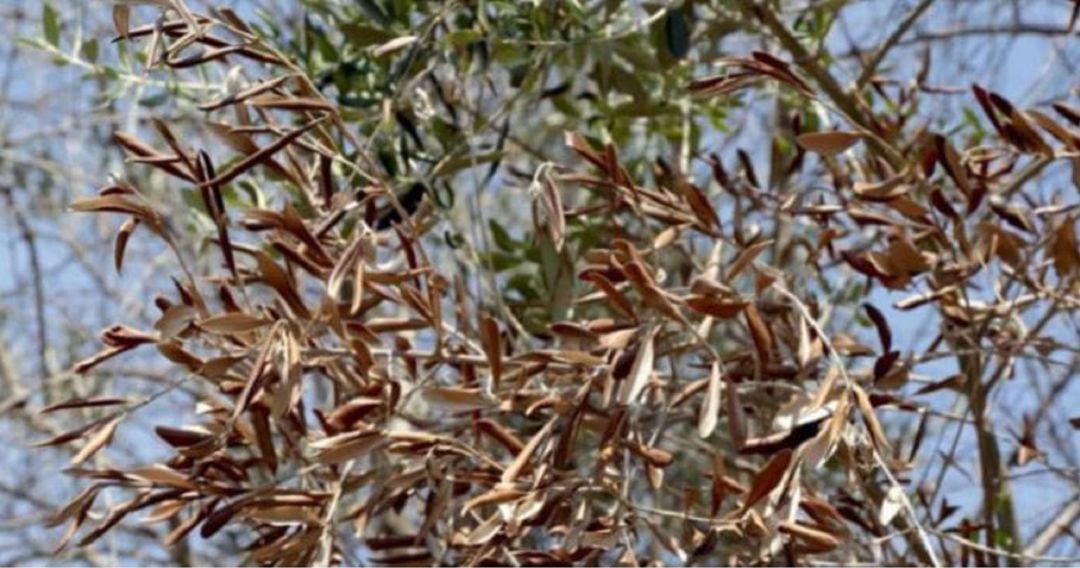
(870,67)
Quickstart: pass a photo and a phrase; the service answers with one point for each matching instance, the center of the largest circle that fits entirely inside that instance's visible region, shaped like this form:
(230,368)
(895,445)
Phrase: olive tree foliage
(575,282)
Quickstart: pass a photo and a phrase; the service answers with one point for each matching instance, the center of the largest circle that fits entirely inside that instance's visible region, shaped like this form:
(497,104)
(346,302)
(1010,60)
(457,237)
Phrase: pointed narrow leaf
(827,143)
(768,478)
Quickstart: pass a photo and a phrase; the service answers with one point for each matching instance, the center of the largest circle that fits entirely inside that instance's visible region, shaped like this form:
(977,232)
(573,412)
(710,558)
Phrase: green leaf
(463,37)
(639,109)
(677,33)
(557,270)
(624,81)
(451,165)
(501,237)
(525,285)
(499,261)
(50,22)
(364,35)
(326,49)
(154,100)
(89,51)
(374,11)
(637,52)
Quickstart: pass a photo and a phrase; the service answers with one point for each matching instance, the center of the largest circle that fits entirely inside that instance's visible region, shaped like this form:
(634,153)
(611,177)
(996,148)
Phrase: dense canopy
(567,282)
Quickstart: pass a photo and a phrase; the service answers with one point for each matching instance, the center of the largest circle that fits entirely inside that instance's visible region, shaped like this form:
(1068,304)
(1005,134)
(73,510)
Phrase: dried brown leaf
(101,437)
(229,323)
(347,446)
(745,258)
(642,369)
(492,343)
(811,540)
(877,434)
(710,406)
(768,478)
(456,399)
(759,332)
(83,403)
(517,467)
(723,308)
(827,143)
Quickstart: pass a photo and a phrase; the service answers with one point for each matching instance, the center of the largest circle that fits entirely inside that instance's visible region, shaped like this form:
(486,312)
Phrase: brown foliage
(354,386)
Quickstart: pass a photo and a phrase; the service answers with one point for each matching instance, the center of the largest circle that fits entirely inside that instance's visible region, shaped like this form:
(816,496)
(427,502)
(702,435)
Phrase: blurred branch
(937,36)
(29,239)
(870,67)
(847,103)
(1060,525)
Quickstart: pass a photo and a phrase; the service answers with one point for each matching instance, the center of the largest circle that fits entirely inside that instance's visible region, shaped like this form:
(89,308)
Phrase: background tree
(554,282)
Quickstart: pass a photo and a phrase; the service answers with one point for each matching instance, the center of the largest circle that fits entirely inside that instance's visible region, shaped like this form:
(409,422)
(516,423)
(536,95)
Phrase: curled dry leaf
(175,320)
(827,143)
(485,531)
(182,437)
(887,190)
(86,365)
(120,203)
(759,332)
(121,17)
(347,415)
(716,307)
(163,475)
(891,505)
(745,258)
(347,446)
(804,350)
(489,335)
(122,237)
(614,296)
(768,478)
(260,156)
(642,369)
(517,467)
(736,415)
(456,399)
(1064,249)
(710,406)
(810,540)
(394,45)
(884,334)
(280,280)
(290,103)
(494,497)
(877,434)
(229,323)
(554,212)
(99,438)
(83,403)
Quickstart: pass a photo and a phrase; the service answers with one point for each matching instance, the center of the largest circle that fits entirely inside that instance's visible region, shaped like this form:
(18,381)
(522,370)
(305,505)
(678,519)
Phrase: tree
(463,283)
